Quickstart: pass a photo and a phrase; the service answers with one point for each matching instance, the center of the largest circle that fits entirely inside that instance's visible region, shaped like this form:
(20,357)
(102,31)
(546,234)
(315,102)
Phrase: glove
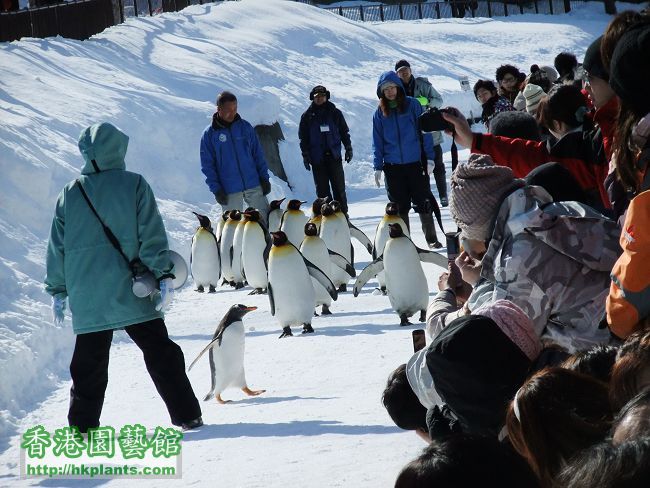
(58,307)
(266,186)
(348,154)
(306,160)
(430,166)
(166,294)
(378,178)
(221,197)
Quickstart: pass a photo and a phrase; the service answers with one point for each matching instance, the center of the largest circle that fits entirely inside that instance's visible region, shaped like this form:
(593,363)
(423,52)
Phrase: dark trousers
(439,173)
(164,361)
(406,184)
(330,172)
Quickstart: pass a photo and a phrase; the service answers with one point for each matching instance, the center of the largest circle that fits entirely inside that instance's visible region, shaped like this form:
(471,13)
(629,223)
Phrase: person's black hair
(486,85)
(636,415)
(464,460)
(596,361)
(563,103)
(506,69)
(565,63)
(607,466)
(515,124)
(225,97)
(402,403)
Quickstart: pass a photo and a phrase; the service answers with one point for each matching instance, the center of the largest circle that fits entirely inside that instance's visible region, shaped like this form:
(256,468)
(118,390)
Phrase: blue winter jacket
(396,138)
(232,159)
(314,140)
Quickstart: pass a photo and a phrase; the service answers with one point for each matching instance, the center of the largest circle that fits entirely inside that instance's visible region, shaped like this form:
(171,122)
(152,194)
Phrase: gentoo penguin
(221,223)
(205,261)
(314,250)
(255,251)
(227,237)
(274,217)
(227,355)
(235,253)
(334,230)
(293,222)
(316,216)
(290,289)
(405,280)
(354,231)
(381,236)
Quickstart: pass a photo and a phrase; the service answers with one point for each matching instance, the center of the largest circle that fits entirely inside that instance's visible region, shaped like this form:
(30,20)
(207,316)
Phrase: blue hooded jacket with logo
(396,137)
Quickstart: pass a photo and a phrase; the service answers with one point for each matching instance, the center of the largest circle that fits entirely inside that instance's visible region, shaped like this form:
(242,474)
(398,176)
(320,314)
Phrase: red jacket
(575,151)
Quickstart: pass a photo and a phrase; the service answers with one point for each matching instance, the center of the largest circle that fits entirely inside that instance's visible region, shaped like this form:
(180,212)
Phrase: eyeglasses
(508,79)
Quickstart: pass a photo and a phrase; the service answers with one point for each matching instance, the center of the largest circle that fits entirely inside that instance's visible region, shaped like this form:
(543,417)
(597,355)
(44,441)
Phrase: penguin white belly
(336,235)
(315,251)
(381,237)
(229,359)
(405,280)
(227,237)
(236,265)
(275,218)
(293,293)
(294,227)
(253,256)
(206,266)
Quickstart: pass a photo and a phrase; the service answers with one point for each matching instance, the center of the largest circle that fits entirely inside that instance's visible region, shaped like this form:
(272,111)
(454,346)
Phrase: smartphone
(453,245)
(419,341)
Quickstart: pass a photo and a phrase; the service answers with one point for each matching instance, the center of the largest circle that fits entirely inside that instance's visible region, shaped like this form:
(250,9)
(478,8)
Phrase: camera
(453,245)
(432,120)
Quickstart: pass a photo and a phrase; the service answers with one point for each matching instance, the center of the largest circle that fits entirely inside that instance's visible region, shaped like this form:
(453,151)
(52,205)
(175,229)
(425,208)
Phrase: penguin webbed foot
(286,332)
(423,315)
(307,329)
(404,320)
(238,285)
(212,289)
(325,310)
(343,288)
(200,289)
(258,291)
(221,400)
(250,392)
(316,314)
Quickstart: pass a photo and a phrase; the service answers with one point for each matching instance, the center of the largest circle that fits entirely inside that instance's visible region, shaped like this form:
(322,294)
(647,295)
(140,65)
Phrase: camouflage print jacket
(553,259)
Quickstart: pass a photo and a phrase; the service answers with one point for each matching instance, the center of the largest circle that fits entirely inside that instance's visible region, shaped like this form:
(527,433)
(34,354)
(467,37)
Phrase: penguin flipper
(205,349)
(432,257)
(316,273)
(271,301)
(368,272)
(360,236)
(342,263)
(265,254)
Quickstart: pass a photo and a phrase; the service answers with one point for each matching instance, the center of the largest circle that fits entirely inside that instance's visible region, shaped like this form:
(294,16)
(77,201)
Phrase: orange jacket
(629,294)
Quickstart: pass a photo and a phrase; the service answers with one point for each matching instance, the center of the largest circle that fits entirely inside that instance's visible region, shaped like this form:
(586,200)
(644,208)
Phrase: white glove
(166,294)
(430,166)
(58,307)
(378,178)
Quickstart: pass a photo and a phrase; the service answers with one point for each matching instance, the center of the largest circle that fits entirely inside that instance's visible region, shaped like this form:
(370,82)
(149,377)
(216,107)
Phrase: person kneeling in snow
(84,267)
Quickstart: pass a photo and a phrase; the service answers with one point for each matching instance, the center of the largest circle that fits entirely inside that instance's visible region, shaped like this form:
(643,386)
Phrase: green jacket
(81,262)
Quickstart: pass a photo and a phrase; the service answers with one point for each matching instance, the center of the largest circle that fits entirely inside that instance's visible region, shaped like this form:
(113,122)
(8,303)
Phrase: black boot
(405,218)
(429,230)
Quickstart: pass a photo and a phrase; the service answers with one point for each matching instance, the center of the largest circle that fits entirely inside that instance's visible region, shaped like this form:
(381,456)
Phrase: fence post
(135,7)
(489,5)
(420,10)
(521,6)
(438,10)
(550,6)
(341,11)
(361,12)
(567,6)
(121,3)
(401,12)
(381,12)
(505,7)
(536,7)
(149,6)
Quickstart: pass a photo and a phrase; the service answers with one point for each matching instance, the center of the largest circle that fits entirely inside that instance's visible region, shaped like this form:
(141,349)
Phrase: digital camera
(432,120)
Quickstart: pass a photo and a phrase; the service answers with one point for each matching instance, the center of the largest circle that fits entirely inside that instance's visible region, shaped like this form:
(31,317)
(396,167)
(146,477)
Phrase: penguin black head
(252,215)
(275,204)
(236,312)
(225,215)
(234,215)
(395,230)
(326,210)
(249,209)
(279,238)
(392,208)
(318,204)
(336,206)
(294,204)
(310,229)
(204,221)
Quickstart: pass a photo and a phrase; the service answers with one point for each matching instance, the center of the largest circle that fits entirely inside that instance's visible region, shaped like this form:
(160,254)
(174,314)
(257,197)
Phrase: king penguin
(354,231)
(314,250)
(290,290)
(293,222)
(235,253)
(221,223)
(205,261)
(405,281)
(381,236)
(274,217)
(255,251)
(316,207)
(227,237)
(334,230)
(227,355)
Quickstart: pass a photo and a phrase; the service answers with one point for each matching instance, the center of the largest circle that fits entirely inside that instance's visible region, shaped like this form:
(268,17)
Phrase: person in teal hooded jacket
(84,268)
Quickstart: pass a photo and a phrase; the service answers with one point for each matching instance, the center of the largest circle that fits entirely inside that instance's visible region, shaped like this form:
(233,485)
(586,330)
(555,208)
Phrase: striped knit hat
(533,95)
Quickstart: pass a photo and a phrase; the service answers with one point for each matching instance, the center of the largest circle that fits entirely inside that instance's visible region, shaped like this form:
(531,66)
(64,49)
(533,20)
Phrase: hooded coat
(81,262)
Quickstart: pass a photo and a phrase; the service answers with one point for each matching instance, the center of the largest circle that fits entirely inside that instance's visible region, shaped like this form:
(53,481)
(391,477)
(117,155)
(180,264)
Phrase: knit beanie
(630,69)
(477,189)
(593,63)
(533,95)
(514,323)
(402,63)
(386,84)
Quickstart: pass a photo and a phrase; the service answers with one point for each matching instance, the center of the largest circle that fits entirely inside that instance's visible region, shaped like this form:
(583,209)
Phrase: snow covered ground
(320,423)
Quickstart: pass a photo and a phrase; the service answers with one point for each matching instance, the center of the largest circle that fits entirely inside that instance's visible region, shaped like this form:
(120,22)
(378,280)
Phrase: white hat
(533,95)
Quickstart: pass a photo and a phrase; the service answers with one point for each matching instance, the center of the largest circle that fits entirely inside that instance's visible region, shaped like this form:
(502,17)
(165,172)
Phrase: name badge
(324,128)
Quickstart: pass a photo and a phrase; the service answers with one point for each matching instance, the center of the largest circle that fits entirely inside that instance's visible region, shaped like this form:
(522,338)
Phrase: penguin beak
(250,309)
